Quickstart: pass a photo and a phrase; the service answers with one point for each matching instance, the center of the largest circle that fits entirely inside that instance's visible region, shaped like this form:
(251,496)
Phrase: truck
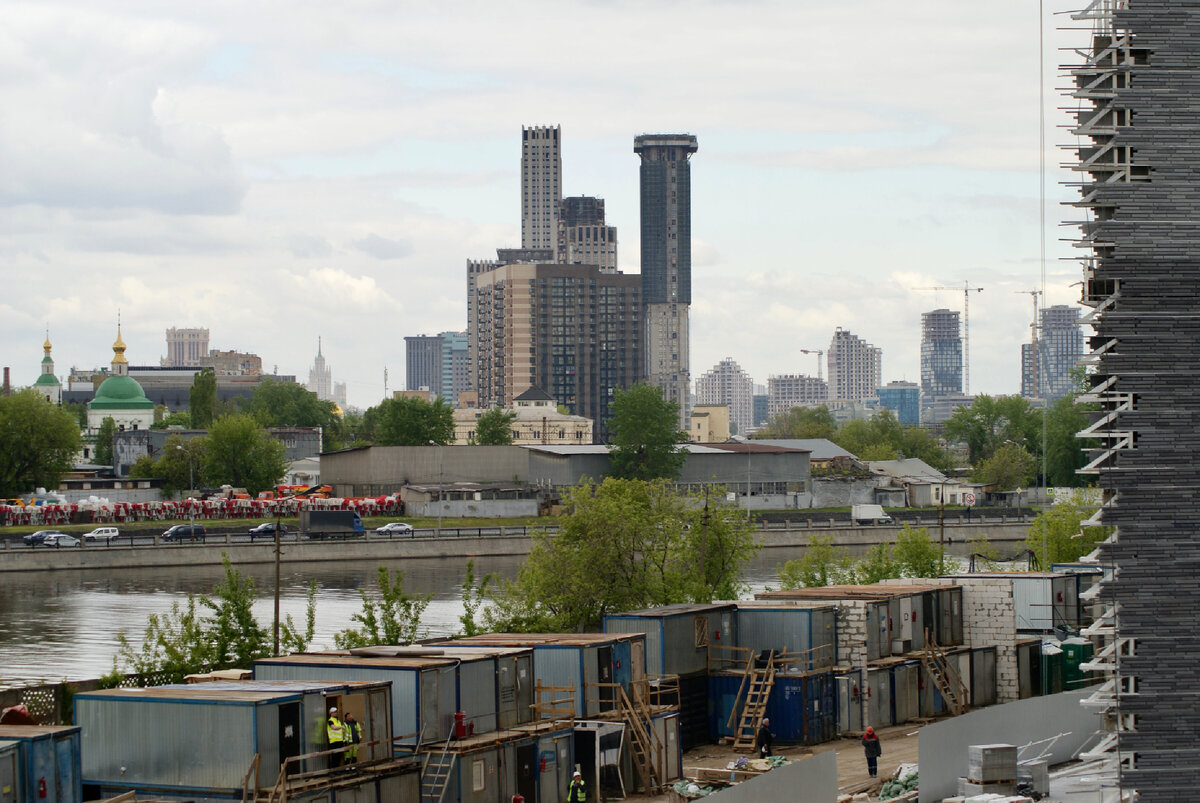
(869,514)
(331,524)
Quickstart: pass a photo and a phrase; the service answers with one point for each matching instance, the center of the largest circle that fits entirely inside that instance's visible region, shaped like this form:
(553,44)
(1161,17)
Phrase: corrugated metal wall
(561,666)
(477,693)
(652,628)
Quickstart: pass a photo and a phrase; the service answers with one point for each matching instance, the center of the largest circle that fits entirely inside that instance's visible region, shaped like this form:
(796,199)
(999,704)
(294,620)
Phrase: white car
(395,528)
(60,539)
(105,534)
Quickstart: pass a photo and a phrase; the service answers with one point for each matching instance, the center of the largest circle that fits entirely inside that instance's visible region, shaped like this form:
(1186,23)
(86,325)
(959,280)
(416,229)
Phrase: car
(105,534)
(395,528)
(60,539)
(39,537)
(185,532)
(266,529)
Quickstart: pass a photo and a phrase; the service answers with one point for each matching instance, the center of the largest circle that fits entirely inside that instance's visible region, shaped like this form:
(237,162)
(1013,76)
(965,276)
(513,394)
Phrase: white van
(105,534)
(869,514)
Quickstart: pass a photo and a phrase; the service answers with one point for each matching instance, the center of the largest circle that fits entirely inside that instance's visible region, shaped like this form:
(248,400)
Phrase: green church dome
(120,392)
(47,379)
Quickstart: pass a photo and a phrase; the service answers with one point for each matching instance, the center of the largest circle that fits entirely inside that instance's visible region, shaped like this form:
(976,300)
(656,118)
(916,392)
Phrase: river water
(64,624)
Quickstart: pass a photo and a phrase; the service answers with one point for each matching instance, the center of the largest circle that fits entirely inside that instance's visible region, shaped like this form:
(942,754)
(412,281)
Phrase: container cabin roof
(237,691)
(346,659)
(34,731)
(877,591)
(674,610)
(540,639)
(1007,575)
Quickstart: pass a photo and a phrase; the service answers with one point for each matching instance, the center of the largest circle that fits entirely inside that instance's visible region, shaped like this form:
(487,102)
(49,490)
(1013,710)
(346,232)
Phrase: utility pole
(967,290)
(278,554)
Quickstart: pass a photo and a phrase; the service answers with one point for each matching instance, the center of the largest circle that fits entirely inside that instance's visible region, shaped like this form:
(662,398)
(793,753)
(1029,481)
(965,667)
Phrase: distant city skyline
(269,173)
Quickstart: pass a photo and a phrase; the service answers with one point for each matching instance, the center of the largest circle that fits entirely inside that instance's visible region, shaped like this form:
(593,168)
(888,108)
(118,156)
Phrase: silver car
(60,539)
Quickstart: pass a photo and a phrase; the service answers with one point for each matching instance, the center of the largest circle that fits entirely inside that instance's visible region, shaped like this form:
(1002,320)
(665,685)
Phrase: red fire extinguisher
(41,787)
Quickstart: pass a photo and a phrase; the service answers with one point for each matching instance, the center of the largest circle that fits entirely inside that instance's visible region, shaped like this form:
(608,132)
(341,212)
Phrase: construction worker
(353,737)
(764,738)
(576,792)
(335,735)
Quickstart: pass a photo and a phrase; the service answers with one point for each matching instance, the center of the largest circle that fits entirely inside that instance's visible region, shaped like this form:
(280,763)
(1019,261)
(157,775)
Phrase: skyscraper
(855,367)
(1135,133)
(583,239)
(904,399)
(666,217)
(941,354)
(541,186)
(320,377)
(186,348)
(726,383)
(1060,349)
(437,363)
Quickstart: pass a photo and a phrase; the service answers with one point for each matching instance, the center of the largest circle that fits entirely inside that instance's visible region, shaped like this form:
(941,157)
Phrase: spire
(46,345)
(318,345)
(119,363)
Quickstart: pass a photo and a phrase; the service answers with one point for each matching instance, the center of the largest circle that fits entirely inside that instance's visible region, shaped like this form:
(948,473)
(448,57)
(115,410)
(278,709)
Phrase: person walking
(335,736)
(353,731)
(873,749)
(576,792)
(762,741)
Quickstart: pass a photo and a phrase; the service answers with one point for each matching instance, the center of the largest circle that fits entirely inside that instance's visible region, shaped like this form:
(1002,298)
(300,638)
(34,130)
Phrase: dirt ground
(899,747)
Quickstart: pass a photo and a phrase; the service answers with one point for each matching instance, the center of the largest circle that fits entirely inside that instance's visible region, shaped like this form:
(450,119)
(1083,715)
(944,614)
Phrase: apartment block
(855,367)
(186,348)
(727,384)
(541,186)
(794,390)
(583,238)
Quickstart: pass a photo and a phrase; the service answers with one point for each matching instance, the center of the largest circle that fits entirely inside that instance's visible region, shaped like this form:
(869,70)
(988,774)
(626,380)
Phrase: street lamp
(441,482)
(191,487)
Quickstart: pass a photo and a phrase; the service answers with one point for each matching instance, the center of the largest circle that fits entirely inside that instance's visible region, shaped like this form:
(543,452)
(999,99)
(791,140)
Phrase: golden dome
(119,349)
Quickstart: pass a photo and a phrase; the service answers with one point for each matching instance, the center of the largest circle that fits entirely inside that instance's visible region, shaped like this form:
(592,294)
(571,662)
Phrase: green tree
(236,638)
(292,639)
(202,399)
(104,441)
(800,422)
(991,421)
(180,464)
(494,427)
(78,411)
(175,644)
(625,544)
(1057,534)
(241,453)
(393,617)
(474,594)
(879,564)
(38,443)
(181,419)
(1009,467)
(275,403)
(646,439)
(160,415)
(916,554)
(822,564)
(413,422)
(1065,453)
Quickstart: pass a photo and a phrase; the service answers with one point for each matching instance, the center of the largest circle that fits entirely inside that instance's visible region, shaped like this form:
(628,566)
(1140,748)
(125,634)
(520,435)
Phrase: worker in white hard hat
(335,735)
(576,792)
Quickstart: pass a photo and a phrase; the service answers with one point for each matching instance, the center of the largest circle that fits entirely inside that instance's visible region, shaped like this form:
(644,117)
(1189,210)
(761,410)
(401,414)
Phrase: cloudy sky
(277,172)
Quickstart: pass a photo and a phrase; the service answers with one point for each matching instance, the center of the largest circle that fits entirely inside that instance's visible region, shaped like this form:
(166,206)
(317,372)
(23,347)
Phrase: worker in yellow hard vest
(335,735)
(353,730)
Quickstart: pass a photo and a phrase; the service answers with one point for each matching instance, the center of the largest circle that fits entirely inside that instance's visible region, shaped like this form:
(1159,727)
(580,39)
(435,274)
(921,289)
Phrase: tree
(883,438)
(1065,453)
(879,564)
(1056,535)
(202,399)
(241,453)
(474,594)
(275,403)
(180,464)
(991,421)
(1009,467)
(392,618)
(160,415)
(800,422)
(235,636)
(38,443)
(646,437)
(625,544)
(822,564)
(494,427)
(414,422)
(916,554)
(104,441)
(180,418)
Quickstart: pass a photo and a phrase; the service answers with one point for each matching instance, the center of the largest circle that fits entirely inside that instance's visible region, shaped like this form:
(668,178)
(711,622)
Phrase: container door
(66,754)
(525,685)
(956,616)
(945,633)
(604,676)
(622,671)
(380,726)
(527,770)
(8,775)
(894,626)
(906,619)
(637,669)
(547,772)
(885,629)
(872,618)
(291,734)
(506,693)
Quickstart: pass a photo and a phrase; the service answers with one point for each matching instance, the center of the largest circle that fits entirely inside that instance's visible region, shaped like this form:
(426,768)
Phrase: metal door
(604,675)
(380,725)
(524,681)
(871,612)
(429,722)
(894,627)
(527,770)
(291,734)
(906,619)
(8,774)
(506,692)
(879,698)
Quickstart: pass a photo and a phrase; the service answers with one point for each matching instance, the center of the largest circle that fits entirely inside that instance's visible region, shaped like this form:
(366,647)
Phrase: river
(64,624)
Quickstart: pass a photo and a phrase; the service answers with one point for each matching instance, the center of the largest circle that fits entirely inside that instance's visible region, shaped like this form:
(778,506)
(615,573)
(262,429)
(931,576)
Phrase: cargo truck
(330,524)
(869,514)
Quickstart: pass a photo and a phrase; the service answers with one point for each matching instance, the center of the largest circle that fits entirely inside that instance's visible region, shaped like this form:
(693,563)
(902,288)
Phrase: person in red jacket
(873,749)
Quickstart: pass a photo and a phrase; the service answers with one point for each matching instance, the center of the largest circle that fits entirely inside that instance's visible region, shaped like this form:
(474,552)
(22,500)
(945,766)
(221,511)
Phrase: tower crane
(820,358)
(1033,331)
(967,289)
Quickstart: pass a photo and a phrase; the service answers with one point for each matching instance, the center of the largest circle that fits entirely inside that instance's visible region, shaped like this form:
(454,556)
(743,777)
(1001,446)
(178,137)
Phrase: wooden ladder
(945,677)
(760,681)
(644,744)
(436,775)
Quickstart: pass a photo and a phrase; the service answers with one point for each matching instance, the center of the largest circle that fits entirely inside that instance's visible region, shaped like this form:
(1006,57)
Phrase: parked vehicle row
(52,538)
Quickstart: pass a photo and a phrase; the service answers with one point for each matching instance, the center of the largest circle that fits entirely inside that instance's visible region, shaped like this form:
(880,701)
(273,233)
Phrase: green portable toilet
(1076,651)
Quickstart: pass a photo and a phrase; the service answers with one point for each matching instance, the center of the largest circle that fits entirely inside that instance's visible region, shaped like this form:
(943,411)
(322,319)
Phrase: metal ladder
(436,776)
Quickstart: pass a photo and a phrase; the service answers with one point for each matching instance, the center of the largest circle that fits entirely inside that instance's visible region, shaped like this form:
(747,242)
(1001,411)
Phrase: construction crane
(1033,330)
(820,358)
(966,290)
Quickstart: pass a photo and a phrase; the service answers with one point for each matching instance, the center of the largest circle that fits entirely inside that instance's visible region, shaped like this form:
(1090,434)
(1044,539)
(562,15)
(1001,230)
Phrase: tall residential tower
(541,186)
(941,354)
(666,210)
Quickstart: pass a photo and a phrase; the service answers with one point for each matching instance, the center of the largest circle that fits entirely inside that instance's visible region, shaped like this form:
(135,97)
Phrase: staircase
(758,683)
(945,677)
(436,775)
(644,744)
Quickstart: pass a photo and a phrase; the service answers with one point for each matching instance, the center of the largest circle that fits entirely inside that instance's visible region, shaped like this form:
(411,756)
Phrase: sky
(278,172)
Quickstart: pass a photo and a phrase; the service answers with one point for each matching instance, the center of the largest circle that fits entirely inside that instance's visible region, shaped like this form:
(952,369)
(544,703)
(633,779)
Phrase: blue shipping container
(802,708)
(48,766)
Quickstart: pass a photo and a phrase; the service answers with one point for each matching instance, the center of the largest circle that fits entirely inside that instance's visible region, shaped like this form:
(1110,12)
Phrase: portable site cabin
(794,628)
(1041,600)
(507,690)
(40,764)
(480,769)
(878,687)
(577,660)
(849,700)
(906,691)
(199,740)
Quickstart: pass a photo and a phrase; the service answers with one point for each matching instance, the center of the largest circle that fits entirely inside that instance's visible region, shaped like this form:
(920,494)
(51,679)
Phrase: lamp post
(191,484)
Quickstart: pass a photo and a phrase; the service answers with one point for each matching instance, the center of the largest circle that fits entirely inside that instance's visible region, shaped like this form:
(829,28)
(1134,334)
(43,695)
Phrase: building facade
(541,186)
(666,263)
(186,348)
(569,329)
(941,354)
(437,363)
(1059,351)
(727,384)
(120,397)
(536,421)
(583,239)
(904,399)
(709,423)
(855,367)
(232,363)
(794,390)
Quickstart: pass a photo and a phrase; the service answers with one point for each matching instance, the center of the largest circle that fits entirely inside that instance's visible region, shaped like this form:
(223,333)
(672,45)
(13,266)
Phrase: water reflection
(64,624)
